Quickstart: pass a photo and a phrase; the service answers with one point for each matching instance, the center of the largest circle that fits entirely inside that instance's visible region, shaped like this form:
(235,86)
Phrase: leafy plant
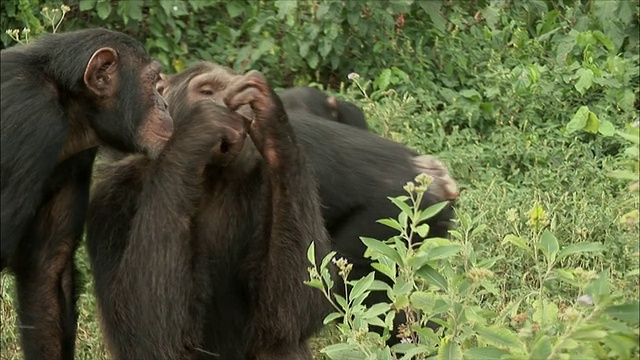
(445,281)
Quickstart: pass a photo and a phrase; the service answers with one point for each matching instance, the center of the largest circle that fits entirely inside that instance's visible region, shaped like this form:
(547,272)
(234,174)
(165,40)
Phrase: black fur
(46,108)
(320,104)
(212,266)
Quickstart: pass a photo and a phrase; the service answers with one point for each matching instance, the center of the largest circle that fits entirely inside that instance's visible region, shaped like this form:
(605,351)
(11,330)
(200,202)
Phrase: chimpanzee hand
(208,132)
(444,187)
(269,128)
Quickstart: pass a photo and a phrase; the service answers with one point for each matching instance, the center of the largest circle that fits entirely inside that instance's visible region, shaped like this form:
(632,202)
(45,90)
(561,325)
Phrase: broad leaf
(579,248)
(499,336)
(549,246)
(579,120)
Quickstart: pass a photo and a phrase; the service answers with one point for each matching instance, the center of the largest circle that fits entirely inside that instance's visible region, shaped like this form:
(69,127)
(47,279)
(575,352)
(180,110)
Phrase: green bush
(453,284)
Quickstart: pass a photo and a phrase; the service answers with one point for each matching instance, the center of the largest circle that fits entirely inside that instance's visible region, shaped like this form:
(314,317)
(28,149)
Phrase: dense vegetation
(534,106)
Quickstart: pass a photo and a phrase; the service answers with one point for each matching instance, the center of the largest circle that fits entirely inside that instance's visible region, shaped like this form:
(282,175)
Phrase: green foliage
(447,281)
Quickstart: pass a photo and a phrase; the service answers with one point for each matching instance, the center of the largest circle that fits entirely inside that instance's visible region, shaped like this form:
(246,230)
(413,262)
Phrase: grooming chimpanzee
(62,96)
(355,169)
(201,252)
(322,105)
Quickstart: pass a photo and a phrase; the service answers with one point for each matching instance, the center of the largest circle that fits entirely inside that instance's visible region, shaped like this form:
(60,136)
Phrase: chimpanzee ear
(162,84)
(99,76)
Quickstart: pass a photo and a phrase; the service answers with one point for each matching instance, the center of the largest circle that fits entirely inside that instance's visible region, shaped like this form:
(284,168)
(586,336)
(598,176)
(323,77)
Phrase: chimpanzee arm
(45,273)
(148,284)
(33,133)
(286,308)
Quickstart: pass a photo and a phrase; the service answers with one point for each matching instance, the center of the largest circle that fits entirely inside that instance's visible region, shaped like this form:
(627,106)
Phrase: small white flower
(585,300)
(353,76)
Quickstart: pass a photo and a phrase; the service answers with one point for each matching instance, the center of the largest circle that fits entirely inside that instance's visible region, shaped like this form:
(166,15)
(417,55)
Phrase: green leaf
(484,353)
(473,314)
(606,128)
(383,80)
(103,9)
(341,301)
(401,301)
(517,241)
(314,283)
(431,211)
(130,10)
(163,44)
(424,301)
(499,336)
(285,7)
(331,317)
(585,80)
(542,348)
(392,223)
(234,9)
(549,246)
(361,286)
(544,314)
(376,310)
(432,9)
(620,344)
(471,95)
(579,120)
(379,285)
(579,248)
(443,252)
(311,253)
(488,263)
(343,352)
(327,259)
(593,124)
(422,230)
(630,135)
(433,277)
(624,175)
(449,350)
(382,248)
(313,60)
(568,344)
(85,5)
(384,269)
(322,10)
(564,275)
(491,14)
(599,288)
(402,205)
(604,40)
(589,333)
(629,313)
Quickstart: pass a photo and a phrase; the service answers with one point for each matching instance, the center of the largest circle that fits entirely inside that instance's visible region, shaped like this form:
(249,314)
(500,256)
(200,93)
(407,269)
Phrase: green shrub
(452,283)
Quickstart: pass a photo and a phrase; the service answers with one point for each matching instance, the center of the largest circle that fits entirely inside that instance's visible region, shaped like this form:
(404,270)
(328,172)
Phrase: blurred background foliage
(458,59)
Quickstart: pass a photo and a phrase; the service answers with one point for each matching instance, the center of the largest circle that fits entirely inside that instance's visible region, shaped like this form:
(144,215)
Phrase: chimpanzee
(201,252)
(62,96)
(322,105)
(355,169)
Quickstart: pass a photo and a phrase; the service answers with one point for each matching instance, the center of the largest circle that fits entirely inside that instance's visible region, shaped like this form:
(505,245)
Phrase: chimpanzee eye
(207,92)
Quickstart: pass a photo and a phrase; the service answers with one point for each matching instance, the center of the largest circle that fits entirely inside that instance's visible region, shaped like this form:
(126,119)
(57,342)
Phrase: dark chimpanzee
(355,169)
(200,253)
(62,96)
(322,105)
